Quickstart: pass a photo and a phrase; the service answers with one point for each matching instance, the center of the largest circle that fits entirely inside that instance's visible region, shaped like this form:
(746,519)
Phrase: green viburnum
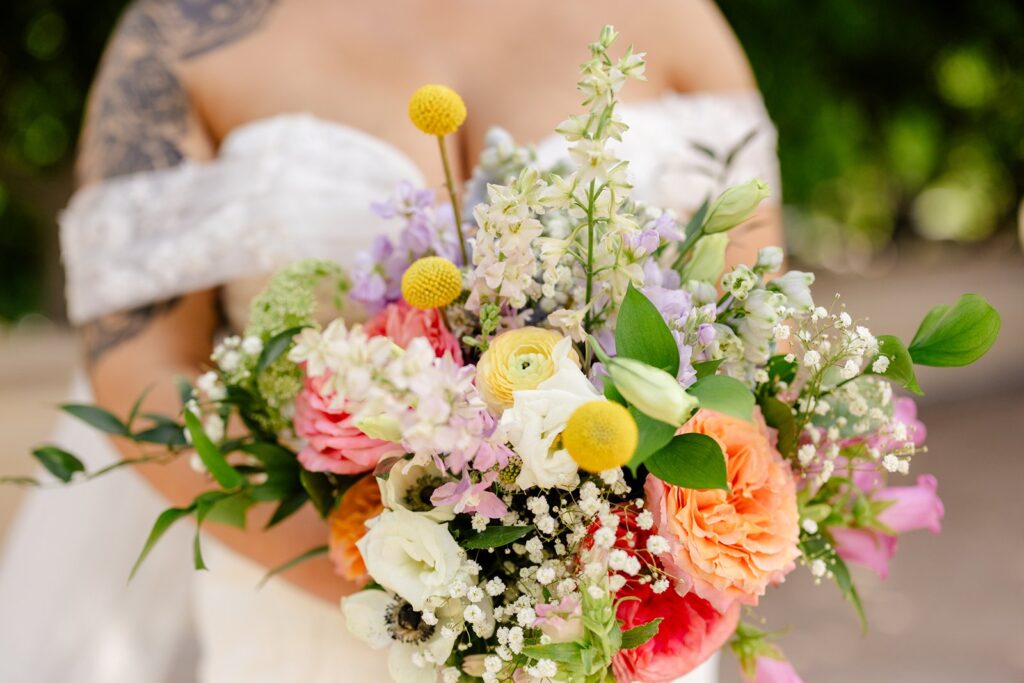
(288,302)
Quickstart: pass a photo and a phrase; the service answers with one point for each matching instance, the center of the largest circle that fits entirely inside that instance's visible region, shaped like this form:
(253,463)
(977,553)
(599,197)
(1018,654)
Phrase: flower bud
(652,391)
(708,259)
(734,206)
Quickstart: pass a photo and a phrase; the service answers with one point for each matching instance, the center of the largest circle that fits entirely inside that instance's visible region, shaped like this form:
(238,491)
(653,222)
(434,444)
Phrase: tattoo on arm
(106,332)
(139,111)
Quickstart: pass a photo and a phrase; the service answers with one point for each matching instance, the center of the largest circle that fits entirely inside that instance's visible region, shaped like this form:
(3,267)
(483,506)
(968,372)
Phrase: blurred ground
(953,609)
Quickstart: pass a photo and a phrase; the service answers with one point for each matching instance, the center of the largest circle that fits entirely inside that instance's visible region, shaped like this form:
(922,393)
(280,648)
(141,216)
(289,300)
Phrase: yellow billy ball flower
(431,282)
(600,435)
(437,110)
(516,360)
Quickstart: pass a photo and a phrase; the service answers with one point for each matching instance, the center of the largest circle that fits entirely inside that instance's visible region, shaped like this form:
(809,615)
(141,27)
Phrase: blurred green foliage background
(897,121)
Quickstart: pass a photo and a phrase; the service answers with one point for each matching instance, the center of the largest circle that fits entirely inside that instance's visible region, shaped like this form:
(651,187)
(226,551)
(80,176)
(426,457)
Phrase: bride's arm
(140,118)
(707,57)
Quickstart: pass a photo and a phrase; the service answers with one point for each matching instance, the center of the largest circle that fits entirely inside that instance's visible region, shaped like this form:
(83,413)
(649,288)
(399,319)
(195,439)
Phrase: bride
(227,137)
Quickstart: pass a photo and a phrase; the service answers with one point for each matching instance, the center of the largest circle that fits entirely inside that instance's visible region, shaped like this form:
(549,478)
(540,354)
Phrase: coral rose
(401,323)
(333,442)
(347,524)
(691,631)
(731,545)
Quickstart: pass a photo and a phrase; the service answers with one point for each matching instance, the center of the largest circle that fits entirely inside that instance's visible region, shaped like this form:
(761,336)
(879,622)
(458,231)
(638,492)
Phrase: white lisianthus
(410,555)
(796,286)
(538,416)
(408,486)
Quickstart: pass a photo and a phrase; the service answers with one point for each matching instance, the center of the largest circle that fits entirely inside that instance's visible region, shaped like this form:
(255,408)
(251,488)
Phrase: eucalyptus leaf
(653,435)
(901,368)
(952,336)
(724,395)
(638,635)
(58,462)
(164,522)
(496,537)
(693,461)
(97,417)
(642,334)
(214,461)
(276,346)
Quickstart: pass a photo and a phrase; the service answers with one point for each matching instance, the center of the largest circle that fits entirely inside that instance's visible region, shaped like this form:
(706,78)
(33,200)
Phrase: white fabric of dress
(281,189)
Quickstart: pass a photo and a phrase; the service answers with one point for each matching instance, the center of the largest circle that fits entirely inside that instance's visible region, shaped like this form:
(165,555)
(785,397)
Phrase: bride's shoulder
(140,115)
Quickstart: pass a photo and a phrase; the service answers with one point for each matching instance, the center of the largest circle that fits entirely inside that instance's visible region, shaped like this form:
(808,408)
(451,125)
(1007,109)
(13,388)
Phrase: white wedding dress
(281,189)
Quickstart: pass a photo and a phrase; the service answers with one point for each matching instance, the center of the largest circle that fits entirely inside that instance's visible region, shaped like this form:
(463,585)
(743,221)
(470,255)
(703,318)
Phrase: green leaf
(556,652)
(641,333)
(725,395)
(957,335)
(781,370)
(638,635)
(97,417)
(231,510)
(133,413)
(273,456)
(318,486)
(222,471)
(58,462)
(19,481)
(779,416)
(185,391)
(294,562)
(288,507)
(707,368)
(276,346)
(697,219)
(818,547)
(160,527)
(654,434)
(693,461)
(167,433)
(901,367)
(496,536)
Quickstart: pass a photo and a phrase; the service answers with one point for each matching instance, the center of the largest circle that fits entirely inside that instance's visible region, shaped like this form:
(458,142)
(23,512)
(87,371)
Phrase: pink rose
(771,670)
(333,442)
(401,323)
(691,631)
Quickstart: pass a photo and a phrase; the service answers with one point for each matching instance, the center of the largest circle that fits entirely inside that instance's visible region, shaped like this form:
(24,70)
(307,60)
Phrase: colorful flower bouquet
(566,446)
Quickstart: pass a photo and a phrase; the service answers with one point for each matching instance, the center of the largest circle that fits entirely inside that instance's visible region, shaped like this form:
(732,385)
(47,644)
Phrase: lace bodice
(294,186)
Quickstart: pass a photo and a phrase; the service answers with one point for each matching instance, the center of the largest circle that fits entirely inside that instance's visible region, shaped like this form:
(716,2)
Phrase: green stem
(588,318)
(451,195)
(688,243)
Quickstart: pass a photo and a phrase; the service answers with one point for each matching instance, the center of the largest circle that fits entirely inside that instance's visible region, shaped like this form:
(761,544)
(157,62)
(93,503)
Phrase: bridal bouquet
(568,443)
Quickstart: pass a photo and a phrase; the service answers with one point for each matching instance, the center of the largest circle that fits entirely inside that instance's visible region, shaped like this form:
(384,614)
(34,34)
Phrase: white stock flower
(796,286)
(410,555)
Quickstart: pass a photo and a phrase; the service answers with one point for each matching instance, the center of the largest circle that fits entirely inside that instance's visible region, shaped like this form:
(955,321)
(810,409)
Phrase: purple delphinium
(377,273)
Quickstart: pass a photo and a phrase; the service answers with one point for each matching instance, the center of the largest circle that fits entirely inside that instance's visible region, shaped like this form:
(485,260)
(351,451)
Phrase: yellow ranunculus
(514,360)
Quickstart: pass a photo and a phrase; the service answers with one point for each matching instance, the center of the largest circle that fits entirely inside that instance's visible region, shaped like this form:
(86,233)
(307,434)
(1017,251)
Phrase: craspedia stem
(454,199)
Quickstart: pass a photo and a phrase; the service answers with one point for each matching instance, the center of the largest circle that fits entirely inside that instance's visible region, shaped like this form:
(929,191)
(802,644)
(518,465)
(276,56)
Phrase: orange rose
(730,546)
(348,524)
